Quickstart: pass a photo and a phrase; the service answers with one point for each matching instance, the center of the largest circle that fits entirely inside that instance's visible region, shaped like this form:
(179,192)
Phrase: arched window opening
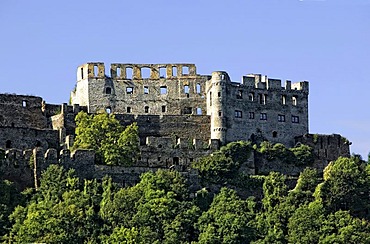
(108,90)
(108,110)
(96,70)
(8,144)
(146,109)
(274,134)
(199,111)
(294,101)
(129,73)
(197,88)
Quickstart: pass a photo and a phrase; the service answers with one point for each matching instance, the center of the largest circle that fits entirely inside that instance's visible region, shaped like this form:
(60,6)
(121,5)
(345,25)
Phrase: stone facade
(181,115)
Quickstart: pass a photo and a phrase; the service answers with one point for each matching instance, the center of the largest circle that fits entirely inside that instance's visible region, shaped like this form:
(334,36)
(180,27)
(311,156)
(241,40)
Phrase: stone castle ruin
(181,115)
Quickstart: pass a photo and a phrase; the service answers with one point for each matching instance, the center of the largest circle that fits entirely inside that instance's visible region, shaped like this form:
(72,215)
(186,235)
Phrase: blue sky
(326,42)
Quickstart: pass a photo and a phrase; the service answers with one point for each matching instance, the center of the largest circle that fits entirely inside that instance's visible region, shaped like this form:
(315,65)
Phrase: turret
(217,105)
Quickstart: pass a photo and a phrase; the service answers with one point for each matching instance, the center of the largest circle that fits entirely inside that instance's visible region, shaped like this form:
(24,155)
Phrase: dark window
(238,114)
(295,119)
(263,116)
(239,94)
(129,90)
(108,90)
(128,110)
(163,90)
(38,144)
(210,98)
(219,94)
(262,98)
(188,110)
(219,113)
(8,144)
(251,96)
(274,134)
(146,109)
(163,109)
(146,90)
(251,115)
(281,118)
(159,158)
(176,160)
(82,73)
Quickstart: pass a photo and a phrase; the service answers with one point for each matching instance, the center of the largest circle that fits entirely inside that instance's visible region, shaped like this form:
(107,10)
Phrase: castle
(181,115)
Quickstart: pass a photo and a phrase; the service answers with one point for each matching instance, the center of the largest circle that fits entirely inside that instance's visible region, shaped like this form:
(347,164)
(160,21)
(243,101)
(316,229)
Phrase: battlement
(129,71)
(263,82)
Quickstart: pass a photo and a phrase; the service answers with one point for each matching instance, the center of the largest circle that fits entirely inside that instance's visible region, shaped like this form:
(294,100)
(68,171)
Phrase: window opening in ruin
(199,111)
(96,70)
(12,124)
(163,109)
(283,99)
(129,73)
(108,110)
(160,146)
(251,96)
(38,144)
(263,116)
(295,119)
(82,73)
(186,89)
(162,72)
(210,98)
(185,70)
(238,114)
(191,160)
(159,158)
(219,94)
(146,90)
(281,118)
(118,72)
(239,95)
(8,144)
(174,71)
(188,110)
(129,90)
(108,90)
(145,73)
(294,101)
(222,77)
(163,90)
(219,114)
(176,160)
(197,88)
(128,109)
(146,109)
(274,134)
(24,103)
(251,115)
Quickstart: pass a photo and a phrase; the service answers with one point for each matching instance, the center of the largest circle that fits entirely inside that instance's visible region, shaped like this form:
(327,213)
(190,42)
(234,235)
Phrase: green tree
(228,219)
(113,144)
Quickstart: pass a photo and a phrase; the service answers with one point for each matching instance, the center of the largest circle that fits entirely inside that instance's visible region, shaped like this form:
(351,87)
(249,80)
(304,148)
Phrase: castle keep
(181,115)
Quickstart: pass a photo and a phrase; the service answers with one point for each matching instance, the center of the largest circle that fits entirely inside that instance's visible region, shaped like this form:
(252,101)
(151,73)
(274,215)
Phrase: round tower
(217,106)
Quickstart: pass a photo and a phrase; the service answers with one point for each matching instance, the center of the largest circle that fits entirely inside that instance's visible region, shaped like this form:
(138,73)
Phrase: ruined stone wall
(26,138)
(258,107)
(22,111)
(163,89)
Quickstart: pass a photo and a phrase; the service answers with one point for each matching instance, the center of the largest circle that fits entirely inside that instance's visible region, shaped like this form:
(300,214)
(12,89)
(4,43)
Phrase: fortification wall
(22,111)
(141,89)
(258,107)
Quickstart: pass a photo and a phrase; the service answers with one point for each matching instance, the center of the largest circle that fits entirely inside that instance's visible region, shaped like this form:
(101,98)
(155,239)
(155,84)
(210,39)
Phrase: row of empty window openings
(263,116)
(186,110)
(262,98)
(162,89)
(145,72)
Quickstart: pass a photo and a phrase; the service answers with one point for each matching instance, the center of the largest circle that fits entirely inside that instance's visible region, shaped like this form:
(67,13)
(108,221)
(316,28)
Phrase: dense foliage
(113,144)
(66,209)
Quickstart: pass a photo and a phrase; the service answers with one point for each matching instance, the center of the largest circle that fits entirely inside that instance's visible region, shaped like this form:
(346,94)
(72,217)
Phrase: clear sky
(326,42)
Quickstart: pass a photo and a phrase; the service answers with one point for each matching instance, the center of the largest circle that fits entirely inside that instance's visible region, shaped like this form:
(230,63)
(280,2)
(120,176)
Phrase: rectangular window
(295,119)
(210,98)
(263,116)
(251,115)
(146,109)
(163,109)
(128,110)
(219,114)
(163,90)
(219,94)
(197,88)
(129,90)
(188,110)
(146,90)
(281,118)
(239,94)
(186,89)
(199,111)
(238,114)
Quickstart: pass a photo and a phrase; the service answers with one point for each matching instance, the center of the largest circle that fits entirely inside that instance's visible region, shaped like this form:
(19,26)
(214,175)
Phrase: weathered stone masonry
(181,115)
